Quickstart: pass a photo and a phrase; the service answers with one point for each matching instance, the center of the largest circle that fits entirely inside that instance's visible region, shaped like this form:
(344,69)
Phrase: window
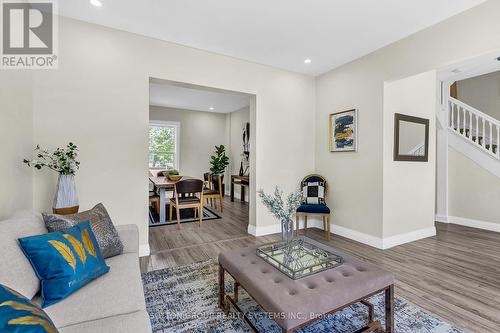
(164,145)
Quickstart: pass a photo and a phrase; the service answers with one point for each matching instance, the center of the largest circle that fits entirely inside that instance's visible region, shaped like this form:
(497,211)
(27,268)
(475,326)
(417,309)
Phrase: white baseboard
(144,250)
(252,230)
(383,243)
(357,236)
(441,218)
(491,226)
(264,230)
(377,242)
(408,237)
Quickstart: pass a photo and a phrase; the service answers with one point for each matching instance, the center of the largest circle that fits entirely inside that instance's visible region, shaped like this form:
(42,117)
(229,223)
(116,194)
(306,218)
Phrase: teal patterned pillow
(64,261)
(19,315)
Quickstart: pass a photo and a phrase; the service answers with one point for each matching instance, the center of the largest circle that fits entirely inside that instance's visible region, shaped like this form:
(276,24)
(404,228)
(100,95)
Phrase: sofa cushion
(64,261)
(19,315)
(136,322)
(118,292)
(100,222)
(129,235)
(15,269)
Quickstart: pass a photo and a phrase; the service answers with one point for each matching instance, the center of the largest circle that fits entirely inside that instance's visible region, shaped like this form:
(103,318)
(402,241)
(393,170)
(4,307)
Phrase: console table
(243,181)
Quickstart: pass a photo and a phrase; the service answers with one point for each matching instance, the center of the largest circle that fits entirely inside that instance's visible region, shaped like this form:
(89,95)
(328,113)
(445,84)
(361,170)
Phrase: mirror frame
(410,158)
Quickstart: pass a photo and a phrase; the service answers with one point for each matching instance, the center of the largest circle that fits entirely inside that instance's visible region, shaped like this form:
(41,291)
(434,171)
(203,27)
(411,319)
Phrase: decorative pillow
(100,222)
(15,269)
(64,261)
(19,315)
(313,193)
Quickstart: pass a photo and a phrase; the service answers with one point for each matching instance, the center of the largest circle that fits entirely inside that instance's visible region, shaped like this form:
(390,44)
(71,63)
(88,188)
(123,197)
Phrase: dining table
(164,184)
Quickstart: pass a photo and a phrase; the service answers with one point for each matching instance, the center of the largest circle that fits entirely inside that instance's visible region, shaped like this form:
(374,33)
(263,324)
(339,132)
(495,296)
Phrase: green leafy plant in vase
(219,162)
(63,161)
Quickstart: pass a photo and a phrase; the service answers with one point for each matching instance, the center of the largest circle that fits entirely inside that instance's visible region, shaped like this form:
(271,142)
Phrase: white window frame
(177,125)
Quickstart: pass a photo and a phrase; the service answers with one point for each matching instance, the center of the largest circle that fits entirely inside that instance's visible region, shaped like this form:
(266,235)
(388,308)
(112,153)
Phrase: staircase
(474,126)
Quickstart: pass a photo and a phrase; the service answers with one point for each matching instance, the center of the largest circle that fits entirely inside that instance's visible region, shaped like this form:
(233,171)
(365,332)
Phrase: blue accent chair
(318,210)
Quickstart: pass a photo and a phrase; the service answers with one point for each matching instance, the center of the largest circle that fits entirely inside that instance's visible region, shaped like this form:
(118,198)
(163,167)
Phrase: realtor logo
(28,34)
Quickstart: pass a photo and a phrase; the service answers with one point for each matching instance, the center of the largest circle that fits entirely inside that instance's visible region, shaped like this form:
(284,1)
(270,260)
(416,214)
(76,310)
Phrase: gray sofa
(112,303)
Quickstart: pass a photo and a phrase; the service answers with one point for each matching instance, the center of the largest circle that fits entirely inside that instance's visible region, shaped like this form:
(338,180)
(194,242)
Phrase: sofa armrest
(129,235)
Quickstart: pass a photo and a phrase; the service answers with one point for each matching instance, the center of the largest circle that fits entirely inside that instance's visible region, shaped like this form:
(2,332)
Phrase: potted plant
(219,162)
(63,161)
(283,212)
(173,175)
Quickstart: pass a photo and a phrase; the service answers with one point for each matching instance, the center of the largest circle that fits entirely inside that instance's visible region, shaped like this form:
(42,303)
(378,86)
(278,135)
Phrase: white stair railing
(475,126)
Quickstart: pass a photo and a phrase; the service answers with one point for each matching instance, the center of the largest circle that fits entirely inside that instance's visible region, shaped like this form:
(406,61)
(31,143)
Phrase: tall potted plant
(63,161)
(219,162)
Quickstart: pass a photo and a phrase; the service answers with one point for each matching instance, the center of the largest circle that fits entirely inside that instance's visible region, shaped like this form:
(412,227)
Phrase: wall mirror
(411,138)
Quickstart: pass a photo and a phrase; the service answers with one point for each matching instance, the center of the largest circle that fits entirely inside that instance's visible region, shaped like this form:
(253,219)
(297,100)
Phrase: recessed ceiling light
(307,61)
(96,3)
(211,108)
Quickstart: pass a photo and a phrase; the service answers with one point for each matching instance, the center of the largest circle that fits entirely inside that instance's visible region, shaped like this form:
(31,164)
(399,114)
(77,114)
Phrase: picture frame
(343,131)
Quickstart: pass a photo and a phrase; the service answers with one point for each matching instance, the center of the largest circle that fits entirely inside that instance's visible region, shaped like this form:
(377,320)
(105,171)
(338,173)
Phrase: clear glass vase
(287,230)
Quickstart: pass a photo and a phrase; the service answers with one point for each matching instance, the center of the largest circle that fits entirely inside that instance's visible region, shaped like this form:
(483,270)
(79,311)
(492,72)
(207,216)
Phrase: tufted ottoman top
(295,302)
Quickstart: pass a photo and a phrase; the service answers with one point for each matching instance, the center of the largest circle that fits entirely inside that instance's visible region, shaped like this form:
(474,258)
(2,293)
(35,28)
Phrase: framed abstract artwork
(344,131)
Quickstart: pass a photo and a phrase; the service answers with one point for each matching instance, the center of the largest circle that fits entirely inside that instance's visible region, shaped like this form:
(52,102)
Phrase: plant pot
(66,198)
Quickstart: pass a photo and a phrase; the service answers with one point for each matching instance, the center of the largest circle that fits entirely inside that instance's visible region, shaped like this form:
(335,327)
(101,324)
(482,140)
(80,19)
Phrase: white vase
(66,196)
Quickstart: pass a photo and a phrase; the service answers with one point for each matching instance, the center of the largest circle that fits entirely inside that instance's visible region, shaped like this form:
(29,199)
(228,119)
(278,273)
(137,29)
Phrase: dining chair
(154,201)
(214,191)
(185,196)
(314,191)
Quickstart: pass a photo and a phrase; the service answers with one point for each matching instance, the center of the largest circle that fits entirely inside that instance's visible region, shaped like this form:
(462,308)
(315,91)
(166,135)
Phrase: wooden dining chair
(215,190)
(186,196)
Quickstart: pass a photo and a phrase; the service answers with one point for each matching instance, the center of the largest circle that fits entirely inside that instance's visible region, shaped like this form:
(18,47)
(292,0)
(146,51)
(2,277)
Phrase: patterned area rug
(187,216)
(184,299)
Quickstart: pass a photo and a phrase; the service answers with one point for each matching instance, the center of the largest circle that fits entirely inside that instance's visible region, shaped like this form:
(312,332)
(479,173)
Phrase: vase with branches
(283,210)
(63,161)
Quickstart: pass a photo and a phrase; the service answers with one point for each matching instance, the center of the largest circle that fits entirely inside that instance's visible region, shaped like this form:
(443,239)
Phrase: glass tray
(299,258)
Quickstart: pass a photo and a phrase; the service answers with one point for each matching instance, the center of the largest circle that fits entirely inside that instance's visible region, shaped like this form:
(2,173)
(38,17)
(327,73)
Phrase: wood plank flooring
(454,275)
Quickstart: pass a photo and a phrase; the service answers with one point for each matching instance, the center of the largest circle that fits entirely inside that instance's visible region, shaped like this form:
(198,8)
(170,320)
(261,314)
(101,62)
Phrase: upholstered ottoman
(296,303)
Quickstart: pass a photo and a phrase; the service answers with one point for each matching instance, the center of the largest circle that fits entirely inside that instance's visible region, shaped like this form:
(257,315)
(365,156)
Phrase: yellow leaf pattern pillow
(64,261)
(18,314)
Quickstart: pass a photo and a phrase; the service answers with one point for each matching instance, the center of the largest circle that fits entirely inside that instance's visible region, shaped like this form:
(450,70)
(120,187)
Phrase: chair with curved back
(215,190)
(314,189)
(185,196)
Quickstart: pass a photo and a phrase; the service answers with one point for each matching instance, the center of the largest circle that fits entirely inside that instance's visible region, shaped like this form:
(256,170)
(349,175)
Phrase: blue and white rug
(184,299)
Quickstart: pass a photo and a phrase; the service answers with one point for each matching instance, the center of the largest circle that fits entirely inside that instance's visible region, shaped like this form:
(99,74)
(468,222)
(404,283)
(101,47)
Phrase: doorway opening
(203,136)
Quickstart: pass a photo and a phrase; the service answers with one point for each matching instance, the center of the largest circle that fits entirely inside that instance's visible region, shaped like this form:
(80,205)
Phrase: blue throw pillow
(64,261)
(19,315)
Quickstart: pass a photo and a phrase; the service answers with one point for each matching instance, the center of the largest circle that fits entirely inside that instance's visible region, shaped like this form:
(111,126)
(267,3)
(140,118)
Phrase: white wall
(199,133)
(236,121)
(16,141)
(474,193)
(409,187)
(357,178)
(482,92)
(99,99)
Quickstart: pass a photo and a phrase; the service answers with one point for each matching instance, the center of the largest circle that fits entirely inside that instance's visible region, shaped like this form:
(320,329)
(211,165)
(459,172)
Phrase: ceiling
(195,98)
(279,33)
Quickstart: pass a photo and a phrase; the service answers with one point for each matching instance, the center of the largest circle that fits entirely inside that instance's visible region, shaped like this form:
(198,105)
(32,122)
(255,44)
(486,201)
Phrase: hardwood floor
(454,275)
